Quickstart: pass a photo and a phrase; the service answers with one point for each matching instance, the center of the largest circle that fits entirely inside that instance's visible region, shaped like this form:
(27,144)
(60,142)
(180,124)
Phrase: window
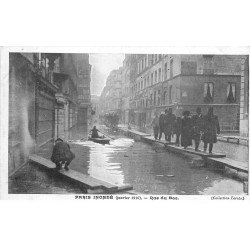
(208,92)
(145,83)
(155,98)
(171,67)
(142,63)
(159,98)
(151,99)
(156,76)
(170,94)
(152,78)
(165,70)
(159,74)
(231,98)
(148,81)
(164,97)
(138,68)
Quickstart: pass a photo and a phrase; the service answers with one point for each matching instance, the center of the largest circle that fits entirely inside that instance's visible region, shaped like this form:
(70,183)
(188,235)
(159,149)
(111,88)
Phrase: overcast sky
(102,65)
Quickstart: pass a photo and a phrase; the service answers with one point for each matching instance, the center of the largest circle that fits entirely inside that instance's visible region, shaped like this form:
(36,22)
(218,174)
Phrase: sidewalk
(236,139)
(233,151)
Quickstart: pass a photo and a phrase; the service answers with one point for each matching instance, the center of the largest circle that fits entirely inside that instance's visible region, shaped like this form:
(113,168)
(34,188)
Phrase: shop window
(231,98)
(208,92)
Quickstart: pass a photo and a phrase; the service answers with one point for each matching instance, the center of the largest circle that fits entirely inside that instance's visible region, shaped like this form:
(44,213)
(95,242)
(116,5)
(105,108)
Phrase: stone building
(244,96)
(125,88)
(95,102)
(110,100)
(44,100)
(184,82)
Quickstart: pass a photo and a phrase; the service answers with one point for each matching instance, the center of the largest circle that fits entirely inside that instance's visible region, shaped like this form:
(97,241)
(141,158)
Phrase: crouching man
(62,154)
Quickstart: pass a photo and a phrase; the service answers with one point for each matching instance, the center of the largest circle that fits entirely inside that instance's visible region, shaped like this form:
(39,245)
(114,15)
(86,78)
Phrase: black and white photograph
(128,123)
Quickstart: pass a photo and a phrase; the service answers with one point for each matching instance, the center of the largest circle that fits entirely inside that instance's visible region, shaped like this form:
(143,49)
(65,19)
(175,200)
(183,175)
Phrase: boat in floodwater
(101,140)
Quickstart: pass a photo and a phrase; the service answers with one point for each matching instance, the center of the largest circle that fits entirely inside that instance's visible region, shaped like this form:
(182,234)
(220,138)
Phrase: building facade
(184,82)
(244,96)
(111,96)
(43,101)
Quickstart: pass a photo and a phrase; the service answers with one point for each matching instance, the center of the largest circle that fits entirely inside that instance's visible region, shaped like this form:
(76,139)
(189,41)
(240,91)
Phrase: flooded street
(150,170)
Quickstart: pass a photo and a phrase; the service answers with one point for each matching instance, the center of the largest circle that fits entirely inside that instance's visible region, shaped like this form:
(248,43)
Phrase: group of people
(187,128)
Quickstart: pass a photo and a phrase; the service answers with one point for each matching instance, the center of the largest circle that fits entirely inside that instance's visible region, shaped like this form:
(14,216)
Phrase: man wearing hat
(62,154)
(169,124)
(198,127)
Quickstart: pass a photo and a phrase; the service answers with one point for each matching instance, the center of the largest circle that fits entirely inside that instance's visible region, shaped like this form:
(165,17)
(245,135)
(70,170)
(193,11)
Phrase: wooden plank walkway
(177,149)
(192,151)
(237,165)
(80,178)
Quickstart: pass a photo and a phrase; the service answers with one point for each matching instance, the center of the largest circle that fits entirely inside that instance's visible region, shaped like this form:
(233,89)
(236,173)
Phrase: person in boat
(186,130)
(198,127)
(211,129)
(61,154)
(94,133)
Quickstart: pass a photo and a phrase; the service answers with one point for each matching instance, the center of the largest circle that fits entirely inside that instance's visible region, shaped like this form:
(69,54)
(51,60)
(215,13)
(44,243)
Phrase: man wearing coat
(62,154)
(155,125)
(161,125)
(211,129)
(198,127)
(169,124)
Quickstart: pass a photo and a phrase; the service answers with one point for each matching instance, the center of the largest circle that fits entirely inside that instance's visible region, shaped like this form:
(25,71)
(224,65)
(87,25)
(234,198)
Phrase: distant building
(95,108)
(111,95)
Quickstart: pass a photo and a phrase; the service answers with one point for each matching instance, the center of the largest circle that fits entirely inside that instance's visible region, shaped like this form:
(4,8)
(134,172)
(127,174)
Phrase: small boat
(101,140)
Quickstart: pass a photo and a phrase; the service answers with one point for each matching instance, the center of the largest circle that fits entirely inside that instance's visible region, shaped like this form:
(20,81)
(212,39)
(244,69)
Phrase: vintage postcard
(132,124)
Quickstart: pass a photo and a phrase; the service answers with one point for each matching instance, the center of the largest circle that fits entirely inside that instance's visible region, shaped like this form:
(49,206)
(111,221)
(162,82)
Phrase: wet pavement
(149,169)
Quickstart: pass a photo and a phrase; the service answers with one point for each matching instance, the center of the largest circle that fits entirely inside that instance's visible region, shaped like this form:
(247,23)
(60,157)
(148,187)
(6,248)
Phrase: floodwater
(149,169)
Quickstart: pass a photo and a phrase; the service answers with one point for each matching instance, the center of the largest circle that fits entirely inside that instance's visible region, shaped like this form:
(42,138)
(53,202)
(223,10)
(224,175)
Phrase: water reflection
(101,163)
(148,169)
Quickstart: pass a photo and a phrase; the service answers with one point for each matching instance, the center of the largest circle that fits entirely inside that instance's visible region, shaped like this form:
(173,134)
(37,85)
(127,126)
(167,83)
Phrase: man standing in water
(62,154)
